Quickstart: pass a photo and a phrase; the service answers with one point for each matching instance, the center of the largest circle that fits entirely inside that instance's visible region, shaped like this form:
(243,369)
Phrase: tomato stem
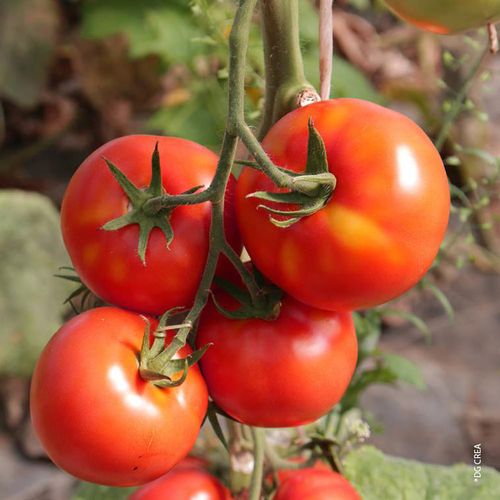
(285,78)
(458,102)
(259,440)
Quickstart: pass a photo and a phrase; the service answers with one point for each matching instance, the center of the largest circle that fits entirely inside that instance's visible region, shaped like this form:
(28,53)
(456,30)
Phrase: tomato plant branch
(218,241)
(286,83)
(458,102)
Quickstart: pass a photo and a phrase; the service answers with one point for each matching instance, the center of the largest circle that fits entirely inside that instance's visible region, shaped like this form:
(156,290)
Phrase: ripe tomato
(279,373)
(283,474)
(314,484)
(183,484)
(94,414)
(107,261)
(381,229)
(447,16)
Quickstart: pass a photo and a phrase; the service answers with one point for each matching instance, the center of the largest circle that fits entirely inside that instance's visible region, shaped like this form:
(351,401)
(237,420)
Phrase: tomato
(183,484)
(381,229)
(283,474)
(279,373)
(447,16)
(96,417)
(314,484)
(107,261)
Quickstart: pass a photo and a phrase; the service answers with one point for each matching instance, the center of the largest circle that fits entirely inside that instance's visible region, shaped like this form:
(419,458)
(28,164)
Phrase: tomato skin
(183,484)
(107,261)
(382,227)
(283,474)
(280,373)
(96,417)
(447,17)
(315,484)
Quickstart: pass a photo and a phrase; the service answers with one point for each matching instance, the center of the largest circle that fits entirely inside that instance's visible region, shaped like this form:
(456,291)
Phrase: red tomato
(280,373)
(284,474)
(183,484)
(314,484)
(381,229)
(96,417)
(107,261)
(447,16)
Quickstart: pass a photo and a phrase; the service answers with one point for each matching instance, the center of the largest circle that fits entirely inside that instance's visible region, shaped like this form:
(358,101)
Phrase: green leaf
(152,27)
(28,31)
(404,370)
(377,476)
(378,375)
(415,320)
(89,491)
(441,297)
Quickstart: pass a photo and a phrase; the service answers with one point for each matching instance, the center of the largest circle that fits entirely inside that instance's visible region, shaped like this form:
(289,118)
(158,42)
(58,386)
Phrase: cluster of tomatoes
(103,422)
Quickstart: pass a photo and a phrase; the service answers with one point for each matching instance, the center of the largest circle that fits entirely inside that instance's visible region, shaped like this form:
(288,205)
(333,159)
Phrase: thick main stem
(217,237)
(285,78)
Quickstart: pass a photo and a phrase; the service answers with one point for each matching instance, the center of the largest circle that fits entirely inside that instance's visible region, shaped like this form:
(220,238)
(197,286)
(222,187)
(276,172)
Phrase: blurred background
(77,73)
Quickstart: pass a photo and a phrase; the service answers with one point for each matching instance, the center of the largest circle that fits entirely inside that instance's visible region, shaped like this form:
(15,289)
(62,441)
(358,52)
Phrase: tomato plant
(96,417)
(447,16)
(279,373)
(183,484)
(315,484)
(382,227)
(108,261)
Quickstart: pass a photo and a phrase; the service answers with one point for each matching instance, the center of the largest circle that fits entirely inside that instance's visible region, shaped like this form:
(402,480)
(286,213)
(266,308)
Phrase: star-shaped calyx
(138,197)
(156,362)
(316,174)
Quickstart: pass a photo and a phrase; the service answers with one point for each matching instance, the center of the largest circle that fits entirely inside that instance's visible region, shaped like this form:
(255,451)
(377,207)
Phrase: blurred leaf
(31,298)
(378,375)
(415,320)
(89,491)
(28,31)
(196,119)
(152,26)
(377,476)
(441,297)
(404,370)
(368,330)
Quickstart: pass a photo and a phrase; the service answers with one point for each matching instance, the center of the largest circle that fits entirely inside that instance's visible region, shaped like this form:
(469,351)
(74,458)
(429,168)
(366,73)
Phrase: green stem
(285,78)
(456,108)
(278,463)
(217,237)
(259,440)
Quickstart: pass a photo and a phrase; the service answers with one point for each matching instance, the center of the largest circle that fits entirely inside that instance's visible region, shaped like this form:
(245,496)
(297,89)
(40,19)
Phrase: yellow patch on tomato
(118,270)
(289,257)
(90,254)
(362,234)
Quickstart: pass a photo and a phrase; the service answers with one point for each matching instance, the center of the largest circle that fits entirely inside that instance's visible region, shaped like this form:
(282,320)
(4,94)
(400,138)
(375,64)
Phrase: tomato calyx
(316,174)
(138,197)
(157,365)
(267,307)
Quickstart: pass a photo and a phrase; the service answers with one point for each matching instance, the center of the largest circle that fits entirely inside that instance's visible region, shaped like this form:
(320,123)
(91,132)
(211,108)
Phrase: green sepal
(156,362)
(80,290)
(268,310)
(214,422)
(316,173)
(137,197)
